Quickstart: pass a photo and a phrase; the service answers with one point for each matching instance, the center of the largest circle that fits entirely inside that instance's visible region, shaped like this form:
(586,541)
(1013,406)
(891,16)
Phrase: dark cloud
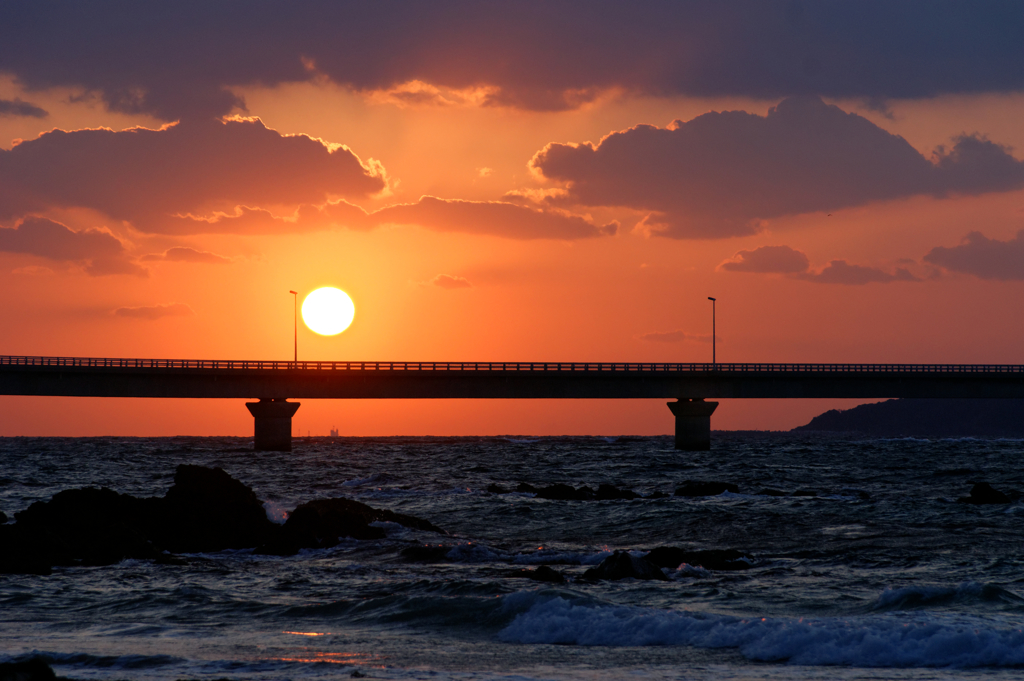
(152,312)
(448,281)
(99,252)
(768,259)
(184,254)
(675,337)
(983,257)
(15,107)
(720,173)
(176,59)
(794,263)
(496,218)
(147,177)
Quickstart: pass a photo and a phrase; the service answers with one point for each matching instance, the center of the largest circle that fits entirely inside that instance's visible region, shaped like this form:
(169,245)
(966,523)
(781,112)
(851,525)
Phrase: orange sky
(88,221)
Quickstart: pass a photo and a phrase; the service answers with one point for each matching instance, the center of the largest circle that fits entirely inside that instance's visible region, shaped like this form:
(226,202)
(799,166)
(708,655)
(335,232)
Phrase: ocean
(860,563)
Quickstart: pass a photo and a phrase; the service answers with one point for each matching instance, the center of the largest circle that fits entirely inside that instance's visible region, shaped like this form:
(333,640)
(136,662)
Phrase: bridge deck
(198,378)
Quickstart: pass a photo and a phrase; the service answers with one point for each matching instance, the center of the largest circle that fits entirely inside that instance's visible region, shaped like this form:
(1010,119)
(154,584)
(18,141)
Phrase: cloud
(184,254)
(768,259)
(676,337)
(796,264)
(491,217)
(841,272)
(148,177)
(181,60)
(721,173)
(983,257)
(449,282)
(151,312)
(496,218)
(10,108)
(98,251)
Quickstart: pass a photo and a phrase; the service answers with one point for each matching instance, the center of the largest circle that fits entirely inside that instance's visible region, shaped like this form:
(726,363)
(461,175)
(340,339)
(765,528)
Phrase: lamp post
(296,320)
(713,361)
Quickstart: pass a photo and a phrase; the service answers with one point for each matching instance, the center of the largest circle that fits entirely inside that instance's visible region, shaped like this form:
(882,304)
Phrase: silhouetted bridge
(273,382)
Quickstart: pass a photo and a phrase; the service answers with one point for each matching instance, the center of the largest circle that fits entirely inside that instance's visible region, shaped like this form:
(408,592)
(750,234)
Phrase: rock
(561,492)
(805,493)
(657,495)
(622,565)
(609,492)
(526,488)
(34,669)
(541,574)
(697,488)
(710,559)
(88,527)
(206,510)
(3,517)
(983,493)
(427,553)
(496,489)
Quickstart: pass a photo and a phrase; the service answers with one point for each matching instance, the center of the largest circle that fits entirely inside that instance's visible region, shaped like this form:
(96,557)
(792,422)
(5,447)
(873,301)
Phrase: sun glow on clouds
(531,186)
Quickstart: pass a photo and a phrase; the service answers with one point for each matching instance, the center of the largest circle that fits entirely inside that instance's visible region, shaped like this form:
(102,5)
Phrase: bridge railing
(650,367)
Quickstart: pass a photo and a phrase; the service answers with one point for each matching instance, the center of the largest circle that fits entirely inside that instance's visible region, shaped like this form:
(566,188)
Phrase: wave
(924,640)
(909,598)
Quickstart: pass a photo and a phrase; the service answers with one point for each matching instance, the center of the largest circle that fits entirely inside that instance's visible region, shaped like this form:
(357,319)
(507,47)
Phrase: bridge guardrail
(651,367)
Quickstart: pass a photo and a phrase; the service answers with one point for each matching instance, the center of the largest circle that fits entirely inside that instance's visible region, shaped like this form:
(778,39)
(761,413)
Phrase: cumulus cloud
(796,264)
(448,281)
(841,272)
(148,177)
(676,337)
(491,217)
(184,254)
(98,251)
(768,259)
(10,108)
(721,173)
(983,257)
(530,53)
(497,218)
(151,312)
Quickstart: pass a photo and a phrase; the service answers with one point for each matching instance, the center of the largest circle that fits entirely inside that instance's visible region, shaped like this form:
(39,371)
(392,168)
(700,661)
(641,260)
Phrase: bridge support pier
(273,432)
(693,424)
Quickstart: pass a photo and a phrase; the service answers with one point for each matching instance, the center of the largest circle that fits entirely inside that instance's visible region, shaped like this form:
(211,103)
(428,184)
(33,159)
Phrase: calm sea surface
(882,575)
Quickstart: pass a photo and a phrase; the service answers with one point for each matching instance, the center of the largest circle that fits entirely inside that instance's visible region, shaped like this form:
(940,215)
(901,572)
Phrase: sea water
(880,575)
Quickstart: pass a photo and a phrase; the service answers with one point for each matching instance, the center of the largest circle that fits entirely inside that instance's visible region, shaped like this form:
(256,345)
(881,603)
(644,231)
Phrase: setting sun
(328,311)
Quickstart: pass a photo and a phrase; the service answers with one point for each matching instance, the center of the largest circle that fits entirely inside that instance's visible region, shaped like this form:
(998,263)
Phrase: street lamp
(296,315)
(713,362)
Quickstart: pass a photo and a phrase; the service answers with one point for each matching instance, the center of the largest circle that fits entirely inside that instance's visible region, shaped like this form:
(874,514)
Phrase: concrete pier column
(693,424)
(273,418)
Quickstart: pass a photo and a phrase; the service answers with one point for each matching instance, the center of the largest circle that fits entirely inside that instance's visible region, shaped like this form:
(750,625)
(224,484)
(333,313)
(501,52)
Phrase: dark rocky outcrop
(541,574)
(700,488)
(32,669)
(495,488)
(983,493)
(710,559)
(206,510)
(622,565)
(427,553)
(3,517)
(805,493)
(768,492)
(926,417)
(610,492)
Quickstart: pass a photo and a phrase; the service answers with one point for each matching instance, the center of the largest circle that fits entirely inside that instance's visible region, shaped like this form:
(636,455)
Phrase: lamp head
(294,292)
(711,299)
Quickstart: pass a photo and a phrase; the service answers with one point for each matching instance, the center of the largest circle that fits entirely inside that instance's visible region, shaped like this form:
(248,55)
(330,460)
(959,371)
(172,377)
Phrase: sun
(328,311)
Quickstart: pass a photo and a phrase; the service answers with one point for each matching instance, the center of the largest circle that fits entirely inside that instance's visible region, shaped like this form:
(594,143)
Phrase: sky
(514,181)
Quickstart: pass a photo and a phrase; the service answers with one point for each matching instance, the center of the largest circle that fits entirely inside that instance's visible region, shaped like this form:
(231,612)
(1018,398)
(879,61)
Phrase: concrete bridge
(690,385)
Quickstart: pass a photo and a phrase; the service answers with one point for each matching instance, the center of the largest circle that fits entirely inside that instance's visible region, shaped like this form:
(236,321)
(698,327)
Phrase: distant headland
(926,418)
